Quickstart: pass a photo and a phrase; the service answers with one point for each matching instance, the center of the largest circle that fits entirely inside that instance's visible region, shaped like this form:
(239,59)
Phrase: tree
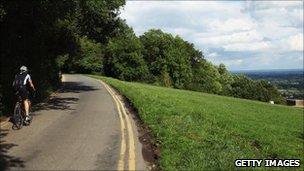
(167,55)
(124,59)
(243,87)
(88,59)
(206,78)
(155,44)
(98,19)
(266,92)
(225,79)
(179,63)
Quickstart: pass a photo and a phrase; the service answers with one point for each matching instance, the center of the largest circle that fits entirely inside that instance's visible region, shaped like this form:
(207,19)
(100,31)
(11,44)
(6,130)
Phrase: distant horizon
(246,70)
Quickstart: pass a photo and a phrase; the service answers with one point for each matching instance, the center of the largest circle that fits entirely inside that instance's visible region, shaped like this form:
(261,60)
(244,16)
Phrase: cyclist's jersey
(21,81)
(26,79)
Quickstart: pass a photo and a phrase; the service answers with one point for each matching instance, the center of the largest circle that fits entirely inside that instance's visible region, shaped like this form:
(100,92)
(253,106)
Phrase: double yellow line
(126,129)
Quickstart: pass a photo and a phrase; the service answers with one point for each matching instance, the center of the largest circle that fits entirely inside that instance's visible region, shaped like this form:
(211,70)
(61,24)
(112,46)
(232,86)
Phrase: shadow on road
(64,103)
(7,161)
(56,103)
(76,87)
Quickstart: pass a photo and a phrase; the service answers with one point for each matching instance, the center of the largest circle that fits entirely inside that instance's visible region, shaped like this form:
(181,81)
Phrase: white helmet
(23,69)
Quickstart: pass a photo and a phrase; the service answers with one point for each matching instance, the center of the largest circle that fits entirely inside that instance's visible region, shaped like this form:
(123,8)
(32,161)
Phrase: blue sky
(244,35)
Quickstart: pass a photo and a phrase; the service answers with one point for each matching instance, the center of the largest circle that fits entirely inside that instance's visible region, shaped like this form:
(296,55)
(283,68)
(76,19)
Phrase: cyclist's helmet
(23,69)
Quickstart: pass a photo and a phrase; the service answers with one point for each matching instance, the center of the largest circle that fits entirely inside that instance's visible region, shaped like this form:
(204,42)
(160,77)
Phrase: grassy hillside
(204,131)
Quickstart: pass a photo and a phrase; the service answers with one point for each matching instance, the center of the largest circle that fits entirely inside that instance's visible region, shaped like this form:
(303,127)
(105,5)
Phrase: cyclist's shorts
(23,93)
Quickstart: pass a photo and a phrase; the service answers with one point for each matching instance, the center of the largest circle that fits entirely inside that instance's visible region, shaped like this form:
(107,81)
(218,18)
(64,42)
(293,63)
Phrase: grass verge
(199,131)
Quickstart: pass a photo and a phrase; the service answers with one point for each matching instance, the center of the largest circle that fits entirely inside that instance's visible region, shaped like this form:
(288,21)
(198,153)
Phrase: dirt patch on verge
(150,147)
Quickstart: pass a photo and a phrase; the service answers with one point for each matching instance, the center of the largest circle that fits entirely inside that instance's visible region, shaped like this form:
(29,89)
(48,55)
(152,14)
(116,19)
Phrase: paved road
(78,129)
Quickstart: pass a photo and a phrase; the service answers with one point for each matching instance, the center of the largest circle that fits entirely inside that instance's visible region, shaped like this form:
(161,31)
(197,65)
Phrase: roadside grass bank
(203,131)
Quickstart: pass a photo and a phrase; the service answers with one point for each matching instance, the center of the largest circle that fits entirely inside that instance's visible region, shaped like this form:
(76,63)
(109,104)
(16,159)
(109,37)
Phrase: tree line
(87,36)
(163,59)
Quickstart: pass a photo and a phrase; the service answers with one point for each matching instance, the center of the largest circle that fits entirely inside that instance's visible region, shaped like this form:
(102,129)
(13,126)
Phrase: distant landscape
(290,82)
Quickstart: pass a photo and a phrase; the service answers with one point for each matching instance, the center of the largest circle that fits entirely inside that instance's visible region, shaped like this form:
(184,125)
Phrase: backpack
(18,82)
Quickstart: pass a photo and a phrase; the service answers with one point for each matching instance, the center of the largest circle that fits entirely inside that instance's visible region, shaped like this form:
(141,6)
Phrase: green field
(204,131)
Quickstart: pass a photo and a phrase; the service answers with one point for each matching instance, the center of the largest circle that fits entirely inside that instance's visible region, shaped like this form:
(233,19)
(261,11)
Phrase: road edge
(125,125)
(149,150)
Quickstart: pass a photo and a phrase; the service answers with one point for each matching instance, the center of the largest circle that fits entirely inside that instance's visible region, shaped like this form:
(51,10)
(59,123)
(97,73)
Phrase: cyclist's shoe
(27,120)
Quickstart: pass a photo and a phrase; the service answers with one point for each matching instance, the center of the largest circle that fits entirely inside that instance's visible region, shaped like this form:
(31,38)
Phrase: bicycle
(19,114)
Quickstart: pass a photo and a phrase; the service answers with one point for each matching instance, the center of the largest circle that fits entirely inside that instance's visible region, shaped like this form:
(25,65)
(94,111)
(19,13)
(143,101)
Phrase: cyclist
(20,84)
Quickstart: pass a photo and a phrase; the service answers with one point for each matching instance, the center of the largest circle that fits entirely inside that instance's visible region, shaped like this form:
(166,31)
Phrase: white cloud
(260,62)
(235,62)
(296,42)
(292,43)
(238,37)
(273,4)
(232,24)
(250,46)
(270,28)
(214,54)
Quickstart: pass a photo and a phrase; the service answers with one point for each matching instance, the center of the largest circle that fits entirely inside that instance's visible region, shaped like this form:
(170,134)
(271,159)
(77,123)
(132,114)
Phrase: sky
(244,35)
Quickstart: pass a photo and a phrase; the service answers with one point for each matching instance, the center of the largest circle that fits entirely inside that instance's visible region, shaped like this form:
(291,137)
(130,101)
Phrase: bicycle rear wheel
(17,117)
